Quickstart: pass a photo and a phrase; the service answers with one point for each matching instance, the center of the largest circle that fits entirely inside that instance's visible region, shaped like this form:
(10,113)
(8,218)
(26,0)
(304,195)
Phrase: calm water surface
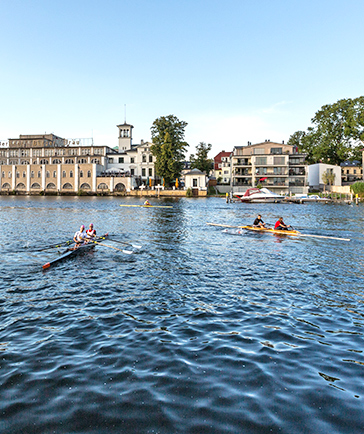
(200,331)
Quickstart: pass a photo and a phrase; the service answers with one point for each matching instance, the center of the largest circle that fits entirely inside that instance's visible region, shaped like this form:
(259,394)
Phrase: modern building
(316,173)
(277,166)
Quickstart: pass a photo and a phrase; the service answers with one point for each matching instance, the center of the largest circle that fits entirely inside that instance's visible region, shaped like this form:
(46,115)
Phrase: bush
(189,192)
(358,188)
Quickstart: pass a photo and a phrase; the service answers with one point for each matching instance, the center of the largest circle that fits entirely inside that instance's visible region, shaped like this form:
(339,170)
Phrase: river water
(199,331)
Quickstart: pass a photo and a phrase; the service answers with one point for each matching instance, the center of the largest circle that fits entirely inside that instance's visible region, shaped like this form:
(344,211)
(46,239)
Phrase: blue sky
(235,71)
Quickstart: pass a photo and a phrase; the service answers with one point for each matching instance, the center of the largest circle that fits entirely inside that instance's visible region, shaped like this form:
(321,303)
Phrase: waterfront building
(277,166)
(317,171)
(222,167)
(351,171)
(49,164)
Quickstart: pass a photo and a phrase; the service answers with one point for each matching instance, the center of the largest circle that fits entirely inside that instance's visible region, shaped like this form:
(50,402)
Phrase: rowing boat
(271,230)
(70,252)
(149,206)
(293,233)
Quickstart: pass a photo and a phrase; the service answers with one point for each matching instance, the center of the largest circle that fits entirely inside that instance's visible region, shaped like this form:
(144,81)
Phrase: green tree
(328,178)
(358,188)
(201,160)
(169,146)
(335,134)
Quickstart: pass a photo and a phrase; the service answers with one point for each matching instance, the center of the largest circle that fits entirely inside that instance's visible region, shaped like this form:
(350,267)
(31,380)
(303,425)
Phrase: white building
(316,171)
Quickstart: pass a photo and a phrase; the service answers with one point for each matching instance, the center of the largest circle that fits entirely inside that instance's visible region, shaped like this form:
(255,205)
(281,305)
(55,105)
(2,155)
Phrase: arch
(67,186)
(56,161)
(20,186)
(102,186)
(120,187)
(95,160)
(43,161)
(51,186)
(85,186)
(69,161)
(6,185)
(82,161)
(35,185)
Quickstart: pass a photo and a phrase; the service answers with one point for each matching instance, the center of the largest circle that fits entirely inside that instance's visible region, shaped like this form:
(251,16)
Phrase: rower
(91,232)
(79,236)
(147,203)
(280,225)
(258,222)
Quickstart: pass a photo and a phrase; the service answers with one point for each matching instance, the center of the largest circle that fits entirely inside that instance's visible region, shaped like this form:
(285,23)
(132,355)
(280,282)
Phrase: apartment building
(276,166)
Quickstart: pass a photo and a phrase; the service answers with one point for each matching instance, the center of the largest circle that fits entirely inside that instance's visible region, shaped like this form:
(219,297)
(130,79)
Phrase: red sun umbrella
(263,179)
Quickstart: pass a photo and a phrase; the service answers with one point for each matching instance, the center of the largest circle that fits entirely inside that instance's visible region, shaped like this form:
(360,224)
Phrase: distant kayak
(149,206)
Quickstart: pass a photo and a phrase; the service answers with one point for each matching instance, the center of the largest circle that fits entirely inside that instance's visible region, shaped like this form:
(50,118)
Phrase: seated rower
(280,225)
(258,222)
(79,237)
(91,232)
(147,203)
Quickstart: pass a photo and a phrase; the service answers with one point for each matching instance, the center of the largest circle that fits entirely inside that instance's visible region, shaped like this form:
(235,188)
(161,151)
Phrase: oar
(128,252)
(136,246)
(323,236)
(54,246)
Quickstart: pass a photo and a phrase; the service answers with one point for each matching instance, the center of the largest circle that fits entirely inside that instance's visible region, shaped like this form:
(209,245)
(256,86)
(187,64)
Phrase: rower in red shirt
(280,225)
(91,232)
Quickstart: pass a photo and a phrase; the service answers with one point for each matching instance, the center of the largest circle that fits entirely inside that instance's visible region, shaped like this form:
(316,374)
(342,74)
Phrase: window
(64,174)
(81,174)
(150,172)
(111,160)
(354,171)
(143,172)
(39,174)
(260,161)
(132,172)
(17,174)
(54,174)
(71,174)
(259,151)
(131,160)
(9,175)
(276,150)
(121,160)
(144,158)
(194,182)
(150,158)
(279,161)
(24,174)
(47,174)
(69,161)
(89,174)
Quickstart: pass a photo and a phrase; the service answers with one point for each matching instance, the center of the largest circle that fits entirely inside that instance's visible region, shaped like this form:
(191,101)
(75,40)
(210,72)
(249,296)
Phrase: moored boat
(259,195)
(70,252)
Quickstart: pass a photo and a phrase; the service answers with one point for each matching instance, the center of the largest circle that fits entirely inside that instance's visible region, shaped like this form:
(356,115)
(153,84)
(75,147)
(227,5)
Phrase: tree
(328,178)
(358,188)
(335,134)
(168,146)
(201,161)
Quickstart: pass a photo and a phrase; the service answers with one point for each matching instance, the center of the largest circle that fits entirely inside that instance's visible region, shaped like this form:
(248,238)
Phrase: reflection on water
(200,331)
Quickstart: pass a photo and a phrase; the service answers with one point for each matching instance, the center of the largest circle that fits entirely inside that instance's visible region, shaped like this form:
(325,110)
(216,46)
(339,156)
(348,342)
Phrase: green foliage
(201,160)
(168,147)
(357,188)
(189,192)
(328,177)
(335,134)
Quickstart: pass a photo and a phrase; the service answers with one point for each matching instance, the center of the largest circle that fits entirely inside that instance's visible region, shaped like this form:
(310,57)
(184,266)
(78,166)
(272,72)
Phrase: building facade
(276,166)
(222,167)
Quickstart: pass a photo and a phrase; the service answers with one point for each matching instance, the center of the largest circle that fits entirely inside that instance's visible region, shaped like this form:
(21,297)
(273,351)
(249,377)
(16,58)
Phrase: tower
(125,136)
